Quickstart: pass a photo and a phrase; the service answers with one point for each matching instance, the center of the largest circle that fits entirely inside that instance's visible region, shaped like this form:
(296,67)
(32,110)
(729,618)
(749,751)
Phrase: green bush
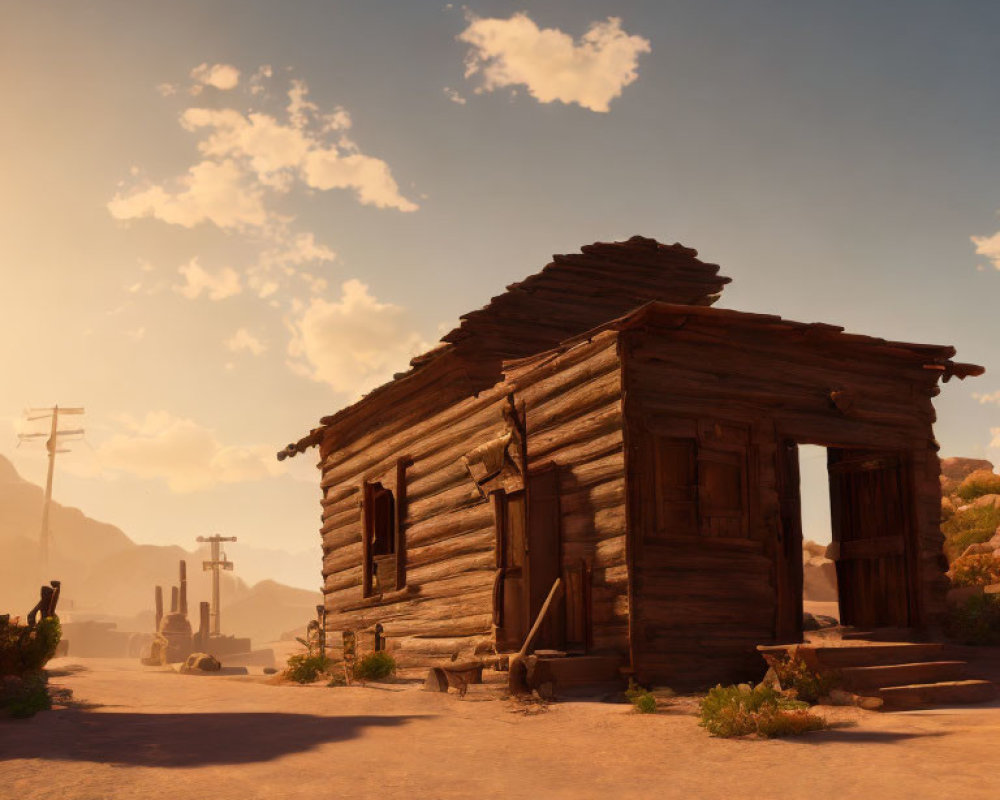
(374,666)
(976,621)
(31,697)
(978,483)
(971,526)
(26,650)
(981,569)
(643,700)
(793,674)
(728,711)
(305,668)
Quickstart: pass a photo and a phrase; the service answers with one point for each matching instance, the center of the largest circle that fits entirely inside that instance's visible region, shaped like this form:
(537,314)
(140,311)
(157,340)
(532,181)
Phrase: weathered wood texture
(446,606)
(702,603)
(573,411)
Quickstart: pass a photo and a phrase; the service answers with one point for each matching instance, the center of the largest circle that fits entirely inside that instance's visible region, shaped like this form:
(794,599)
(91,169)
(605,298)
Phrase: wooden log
(603,422)
(342,537)
(482,541)
(453,566)
(379,449)
(594,395)
(343,558)
(460,497)
(449,523)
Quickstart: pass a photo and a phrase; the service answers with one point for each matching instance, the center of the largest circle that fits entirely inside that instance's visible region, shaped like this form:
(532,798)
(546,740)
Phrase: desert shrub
(978,483)
(305,668)
(643,700)
(30,697)
(976,621)
(981,569)
(374,666)
(26,650)
(793,674)
(742,710)
(971,526)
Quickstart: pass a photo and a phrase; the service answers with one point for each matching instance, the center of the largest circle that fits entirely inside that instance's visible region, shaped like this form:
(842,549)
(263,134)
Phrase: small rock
(203,662)
(838,697)
(436,681)
(869,703)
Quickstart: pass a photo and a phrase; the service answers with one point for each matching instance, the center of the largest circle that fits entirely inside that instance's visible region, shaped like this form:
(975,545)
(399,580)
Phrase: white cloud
(136,334)
(244,340)
(993,398)
(353,344)
(211,191)
(515,52)
(217,286)
(988,246)
(220,76)
(188,456)
(167,89)
(454,96)
(995,432)
(250,158)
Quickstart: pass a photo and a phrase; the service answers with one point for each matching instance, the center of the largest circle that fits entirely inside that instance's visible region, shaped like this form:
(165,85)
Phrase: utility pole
(52,445)
(215,565)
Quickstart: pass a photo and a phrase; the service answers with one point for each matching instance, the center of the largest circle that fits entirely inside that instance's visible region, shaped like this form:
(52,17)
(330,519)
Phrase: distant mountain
(107,576)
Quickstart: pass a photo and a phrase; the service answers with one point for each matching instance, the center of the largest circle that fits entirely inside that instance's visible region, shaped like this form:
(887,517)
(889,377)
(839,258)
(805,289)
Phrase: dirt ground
(138,732)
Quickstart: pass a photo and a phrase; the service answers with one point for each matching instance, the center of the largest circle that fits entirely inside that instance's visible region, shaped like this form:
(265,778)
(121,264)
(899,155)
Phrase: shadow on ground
(177,740)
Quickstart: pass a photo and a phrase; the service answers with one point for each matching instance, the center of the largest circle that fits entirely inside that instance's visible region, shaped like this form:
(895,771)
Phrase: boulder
(957,469)
(819,579)
(203,662)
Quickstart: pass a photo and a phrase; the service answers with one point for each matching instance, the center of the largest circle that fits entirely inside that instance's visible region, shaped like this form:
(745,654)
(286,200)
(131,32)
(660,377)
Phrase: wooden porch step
(882,635)
(568,671)
(872,655)
(862,679)
(925,695)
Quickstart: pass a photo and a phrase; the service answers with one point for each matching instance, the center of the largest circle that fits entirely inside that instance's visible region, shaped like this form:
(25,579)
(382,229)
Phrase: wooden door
(512,614)
(870,506)
(545,555)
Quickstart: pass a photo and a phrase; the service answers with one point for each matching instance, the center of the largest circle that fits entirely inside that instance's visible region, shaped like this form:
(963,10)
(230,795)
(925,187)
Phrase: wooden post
(204,610)
(158,600)
(183,607)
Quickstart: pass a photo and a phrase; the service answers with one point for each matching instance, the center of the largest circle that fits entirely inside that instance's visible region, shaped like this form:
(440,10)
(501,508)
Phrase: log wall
(448,530)
(702,604)
(573,411)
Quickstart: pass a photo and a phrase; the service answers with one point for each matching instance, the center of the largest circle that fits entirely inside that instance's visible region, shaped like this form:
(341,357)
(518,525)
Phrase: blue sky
(834,158)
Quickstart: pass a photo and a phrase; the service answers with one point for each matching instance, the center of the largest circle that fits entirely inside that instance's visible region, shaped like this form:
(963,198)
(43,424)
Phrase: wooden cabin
(603,423)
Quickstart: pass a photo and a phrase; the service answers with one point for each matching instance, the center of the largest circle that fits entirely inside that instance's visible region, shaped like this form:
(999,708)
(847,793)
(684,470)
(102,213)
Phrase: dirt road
(152,735)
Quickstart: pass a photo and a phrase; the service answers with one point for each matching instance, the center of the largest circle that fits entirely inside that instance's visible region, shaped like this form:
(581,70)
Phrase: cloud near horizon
(516,52)
(352,344)
(219,76)
(988,246)
(188,456)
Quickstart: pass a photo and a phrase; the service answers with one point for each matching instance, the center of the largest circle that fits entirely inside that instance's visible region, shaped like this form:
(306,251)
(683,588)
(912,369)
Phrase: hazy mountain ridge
(108,576)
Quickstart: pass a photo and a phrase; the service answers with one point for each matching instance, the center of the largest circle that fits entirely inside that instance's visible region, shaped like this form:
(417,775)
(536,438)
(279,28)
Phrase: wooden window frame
(395,485)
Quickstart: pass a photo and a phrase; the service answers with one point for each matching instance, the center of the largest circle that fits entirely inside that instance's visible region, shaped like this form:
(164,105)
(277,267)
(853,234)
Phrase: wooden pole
(158,599)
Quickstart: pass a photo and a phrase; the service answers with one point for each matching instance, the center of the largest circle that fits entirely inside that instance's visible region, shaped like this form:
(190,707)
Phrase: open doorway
(820,601)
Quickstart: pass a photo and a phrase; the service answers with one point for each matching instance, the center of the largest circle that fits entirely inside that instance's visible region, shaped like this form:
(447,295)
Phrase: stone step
(871,655)
(860,679)
(926,695)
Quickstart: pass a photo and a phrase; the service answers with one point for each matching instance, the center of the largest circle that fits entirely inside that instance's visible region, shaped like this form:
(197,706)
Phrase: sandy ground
(144,733)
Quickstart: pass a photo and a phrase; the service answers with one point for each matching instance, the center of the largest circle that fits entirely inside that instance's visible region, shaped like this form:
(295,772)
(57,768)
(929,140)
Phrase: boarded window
(701,481)
(676,486)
